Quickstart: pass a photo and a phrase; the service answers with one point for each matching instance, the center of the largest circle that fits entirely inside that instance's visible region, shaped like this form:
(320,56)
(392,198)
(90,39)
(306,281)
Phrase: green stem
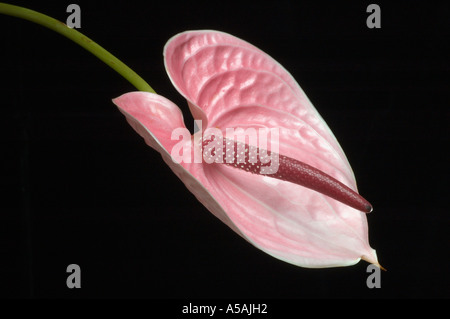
(80,39)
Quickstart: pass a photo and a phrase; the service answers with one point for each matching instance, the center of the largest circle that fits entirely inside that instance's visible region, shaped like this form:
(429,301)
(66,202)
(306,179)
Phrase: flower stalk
(79,39)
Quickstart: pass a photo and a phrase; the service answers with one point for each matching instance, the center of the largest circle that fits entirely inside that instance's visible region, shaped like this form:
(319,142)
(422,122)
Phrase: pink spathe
(229,83)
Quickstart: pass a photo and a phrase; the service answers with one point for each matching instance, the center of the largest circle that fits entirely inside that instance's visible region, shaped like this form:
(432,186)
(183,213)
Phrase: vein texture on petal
(229,83)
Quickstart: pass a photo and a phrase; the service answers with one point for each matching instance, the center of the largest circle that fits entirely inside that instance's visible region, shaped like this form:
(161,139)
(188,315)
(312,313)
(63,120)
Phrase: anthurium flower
(229,83)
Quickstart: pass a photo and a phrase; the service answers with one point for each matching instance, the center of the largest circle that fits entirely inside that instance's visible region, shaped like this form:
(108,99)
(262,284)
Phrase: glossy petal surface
(231,84)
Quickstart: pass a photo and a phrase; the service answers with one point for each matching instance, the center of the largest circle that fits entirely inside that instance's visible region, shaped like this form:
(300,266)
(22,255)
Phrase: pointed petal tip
(373,261)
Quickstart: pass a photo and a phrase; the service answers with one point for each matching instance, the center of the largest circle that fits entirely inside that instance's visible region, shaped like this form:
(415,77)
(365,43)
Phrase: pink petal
(230,83)
(277,219)
(154,118)
(237,85)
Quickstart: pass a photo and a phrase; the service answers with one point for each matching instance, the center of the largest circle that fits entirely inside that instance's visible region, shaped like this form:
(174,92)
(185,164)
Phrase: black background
(78,185)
